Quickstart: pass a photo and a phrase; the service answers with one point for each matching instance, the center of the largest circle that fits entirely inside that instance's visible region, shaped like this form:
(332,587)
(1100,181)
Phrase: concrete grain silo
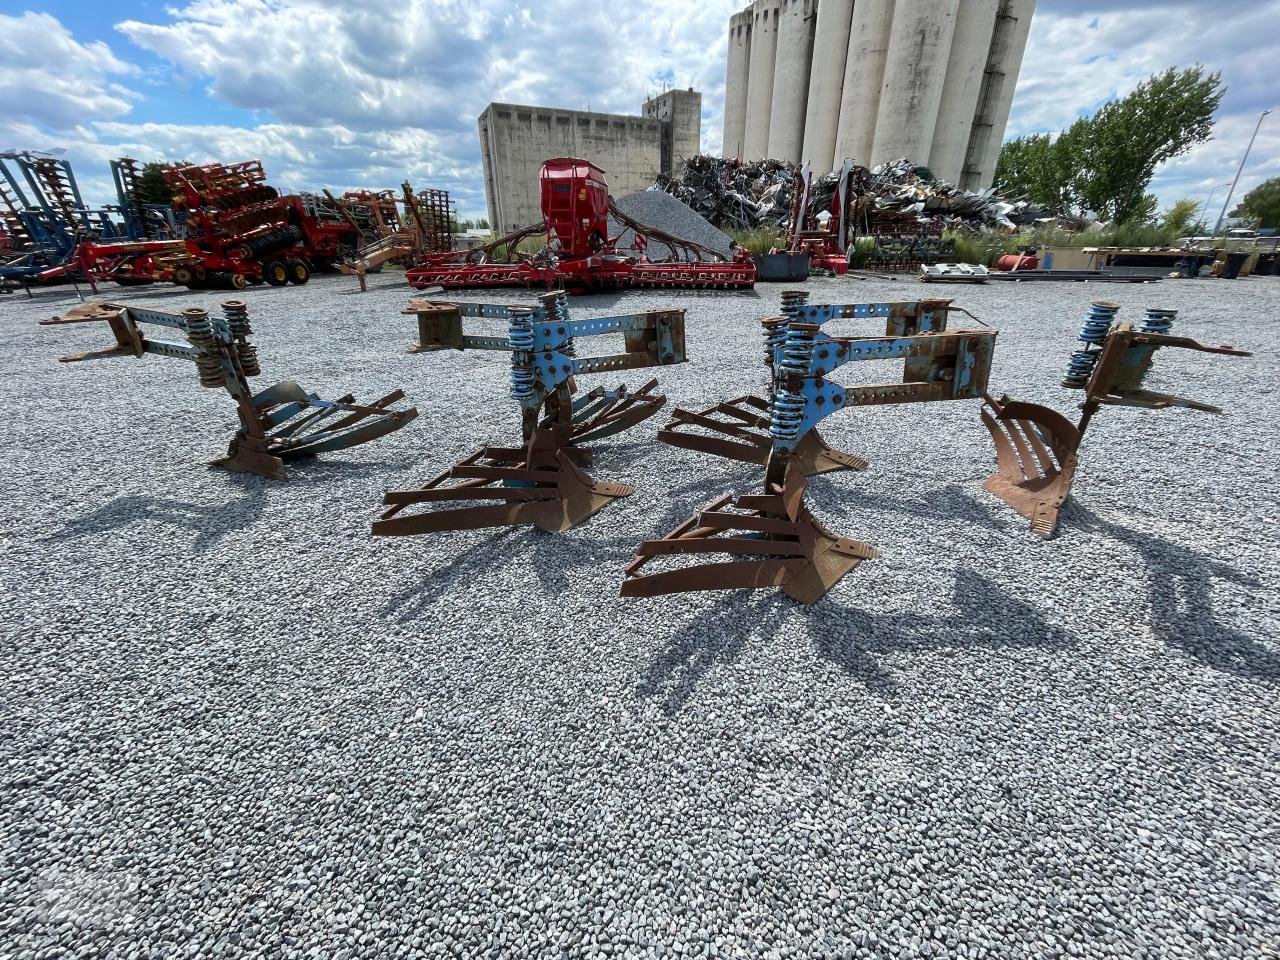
(915,70)
(764,45)
(869,34)
(735,84)
(1008,43)
(970,45)
(874,80)
(796,19)
(826,80)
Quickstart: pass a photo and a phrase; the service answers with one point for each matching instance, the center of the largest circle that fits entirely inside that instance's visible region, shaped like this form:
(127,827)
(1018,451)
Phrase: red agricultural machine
(579,253)
(239,230)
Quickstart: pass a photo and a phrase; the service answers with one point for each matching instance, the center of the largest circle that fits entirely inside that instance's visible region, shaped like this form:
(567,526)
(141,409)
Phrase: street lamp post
(1240,169)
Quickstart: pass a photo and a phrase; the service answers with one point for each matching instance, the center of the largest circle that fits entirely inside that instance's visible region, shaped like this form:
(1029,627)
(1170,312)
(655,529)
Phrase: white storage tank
(970,46)
(915,71)
(869,33)
(737,72)
(1013,24)
(764,43)
(795,25)
(826,80)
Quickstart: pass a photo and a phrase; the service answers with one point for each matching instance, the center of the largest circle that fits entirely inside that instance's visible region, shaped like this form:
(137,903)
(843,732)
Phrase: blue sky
(343,94)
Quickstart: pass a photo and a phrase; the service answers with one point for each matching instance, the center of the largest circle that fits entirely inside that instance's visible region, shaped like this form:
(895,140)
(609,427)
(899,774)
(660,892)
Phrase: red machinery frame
(580,254)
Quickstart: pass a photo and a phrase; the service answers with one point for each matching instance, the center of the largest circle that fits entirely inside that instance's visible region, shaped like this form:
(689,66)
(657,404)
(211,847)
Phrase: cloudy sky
(344,94)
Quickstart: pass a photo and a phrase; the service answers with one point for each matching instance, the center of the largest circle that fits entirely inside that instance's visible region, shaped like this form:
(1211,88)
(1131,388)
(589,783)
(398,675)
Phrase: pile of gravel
(233,724)
(654,208)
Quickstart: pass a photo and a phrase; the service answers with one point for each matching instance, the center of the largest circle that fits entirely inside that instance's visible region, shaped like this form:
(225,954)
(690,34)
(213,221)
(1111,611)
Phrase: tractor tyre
(184,276)
(237,281)
(276,273)
(299,272)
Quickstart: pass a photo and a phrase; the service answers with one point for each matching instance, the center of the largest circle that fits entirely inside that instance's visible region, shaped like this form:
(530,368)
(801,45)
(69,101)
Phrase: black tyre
(276,273)
(184,276)
(299,272)
(237,281)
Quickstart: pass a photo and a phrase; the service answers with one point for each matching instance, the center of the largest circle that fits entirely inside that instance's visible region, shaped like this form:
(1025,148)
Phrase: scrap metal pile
(581,252)
(282,422)
(733,194)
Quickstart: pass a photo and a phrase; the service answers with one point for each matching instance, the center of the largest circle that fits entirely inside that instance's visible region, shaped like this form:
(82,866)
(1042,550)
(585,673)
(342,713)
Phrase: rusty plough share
(788,547)
(280,423)
(739,428)
(1037,448)
(542,481)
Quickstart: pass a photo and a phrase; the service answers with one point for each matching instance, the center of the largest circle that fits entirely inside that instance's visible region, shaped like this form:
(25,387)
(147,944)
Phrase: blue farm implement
(282,422)
(739,428)
(1037,448)
(542,481)
(771,538)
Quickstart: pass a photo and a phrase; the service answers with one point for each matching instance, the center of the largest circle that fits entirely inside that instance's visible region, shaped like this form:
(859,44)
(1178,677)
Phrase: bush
(759,241)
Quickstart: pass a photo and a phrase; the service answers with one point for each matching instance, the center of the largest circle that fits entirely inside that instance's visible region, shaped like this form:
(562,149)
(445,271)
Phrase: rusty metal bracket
(739,428)
(541,482)
(786,546)
(282,422)
(1037,448)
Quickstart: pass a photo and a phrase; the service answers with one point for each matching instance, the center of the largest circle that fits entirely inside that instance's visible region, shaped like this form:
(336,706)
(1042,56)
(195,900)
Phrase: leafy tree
(1181,219)
(1262,204)
(1104,163)
(151,185)
(1127,139)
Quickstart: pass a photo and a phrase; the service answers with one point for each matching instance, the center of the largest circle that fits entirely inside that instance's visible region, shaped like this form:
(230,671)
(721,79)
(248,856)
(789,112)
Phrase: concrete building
(515,140)
(931,80)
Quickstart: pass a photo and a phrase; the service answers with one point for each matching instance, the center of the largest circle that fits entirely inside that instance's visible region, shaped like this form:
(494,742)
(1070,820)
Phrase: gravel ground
(234,724)
(654,208)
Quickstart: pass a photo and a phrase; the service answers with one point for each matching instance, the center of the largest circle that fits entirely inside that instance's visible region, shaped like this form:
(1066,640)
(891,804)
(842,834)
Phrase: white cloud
(49,78)
(1081,54)
(370,93)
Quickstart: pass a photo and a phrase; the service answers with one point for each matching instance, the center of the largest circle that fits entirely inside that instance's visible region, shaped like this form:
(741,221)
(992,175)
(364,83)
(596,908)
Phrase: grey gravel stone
(227,711)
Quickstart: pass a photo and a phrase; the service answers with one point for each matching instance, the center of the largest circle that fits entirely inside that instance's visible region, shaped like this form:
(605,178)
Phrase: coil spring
(785,416)
(520,336)
(797,353)
(1096,325)
(1093,333)
(1158,320)
(1080,368)
(793,302)
(208,359)
(236,314)
(775,335)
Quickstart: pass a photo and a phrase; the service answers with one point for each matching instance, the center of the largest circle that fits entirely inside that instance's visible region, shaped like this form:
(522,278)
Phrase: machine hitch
(1037,448)
(739,428)
(282,422)
(787,546)
(542,481)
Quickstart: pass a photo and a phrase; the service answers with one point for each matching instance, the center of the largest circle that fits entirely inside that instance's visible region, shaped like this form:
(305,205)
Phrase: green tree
(1262,204)
(1181,219)
(151,185)
(1128,138)
(1103,164)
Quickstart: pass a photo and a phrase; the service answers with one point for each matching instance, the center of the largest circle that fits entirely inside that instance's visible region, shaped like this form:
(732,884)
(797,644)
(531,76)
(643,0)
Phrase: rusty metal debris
(282,422)
(541,482)
(784,544)
(1037,448)
(739,428)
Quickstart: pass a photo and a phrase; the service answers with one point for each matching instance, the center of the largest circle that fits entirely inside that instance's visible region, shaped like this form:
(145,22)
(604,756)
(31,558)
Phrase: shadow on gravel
(712,638)
(1180,584)
(210,522)
(985,616)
